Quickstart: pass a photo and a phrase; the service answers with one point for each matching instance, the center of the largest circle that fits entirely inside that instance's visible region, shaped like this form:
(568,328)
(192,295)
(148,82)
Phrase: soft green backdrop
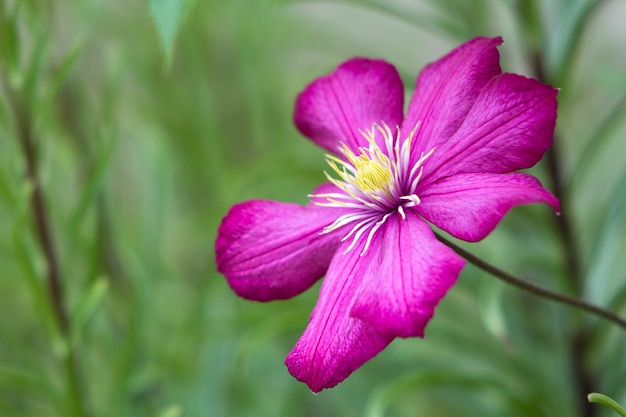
(149,127)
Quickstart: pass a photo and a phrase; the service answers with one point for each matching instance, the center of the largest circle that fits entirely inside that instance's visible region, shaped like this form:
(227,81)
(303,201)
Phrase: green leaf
(491,298)
(565,37)
(439,23)
(602,134)
(387,395)
(19,379)
(94,182)
(606,248)
(61,74)
(87,307)
(171,411)
(9,45)
(595,397)
(167,15)
(32,74)
(528,13)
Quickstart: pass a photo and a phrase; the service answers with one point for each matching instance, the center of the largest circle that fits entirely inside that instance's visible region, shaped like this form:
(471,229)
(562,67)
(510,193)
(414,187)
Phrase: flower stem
(533,288)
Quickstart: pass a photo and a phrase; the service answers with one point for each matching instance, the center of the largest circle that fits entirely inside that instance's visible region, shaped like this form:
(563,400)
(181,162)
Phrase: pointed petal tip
(334,344)
(470,206)
(320,371)
(294,366)
(510,127)
(554,203)
(446,89)
(315,380)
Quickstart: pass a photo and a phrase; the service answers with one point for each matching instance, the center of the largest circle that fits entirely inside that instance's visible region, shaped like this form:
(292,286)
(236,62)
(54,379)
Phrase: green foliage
(606,401)
(566,37)
(137,166)
(167,15)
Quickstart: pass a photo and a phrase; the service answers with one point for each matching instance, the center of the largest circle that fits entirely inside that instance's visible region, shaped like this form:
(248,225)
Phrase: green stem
(43,233)
(533,288)
(598,398)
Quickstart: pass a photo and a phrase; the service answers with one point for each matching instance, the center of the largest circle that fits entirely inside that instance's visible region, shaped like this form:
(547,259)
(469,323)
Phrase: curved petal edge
(409,272)
(269,250)
(469,206)
(446,90)
(334,108)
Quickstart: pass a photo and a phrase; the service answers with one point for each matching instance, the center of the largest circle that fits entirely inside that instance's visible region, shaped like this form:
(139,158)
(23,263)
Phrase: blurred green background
(150,119)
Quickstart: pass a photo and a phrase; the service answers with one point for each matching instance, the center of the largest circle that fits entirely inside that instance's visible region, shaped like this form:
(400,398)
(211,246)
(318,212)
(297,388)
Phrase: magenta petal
(410,271)
(269,250)
(469,206)
(334,344)
(361,91)
(446,90)
(509,128)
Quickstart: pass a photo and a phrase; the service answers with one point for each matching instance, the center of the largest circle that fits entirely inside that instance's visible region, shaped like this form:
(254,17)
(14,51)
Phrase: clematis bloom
(450,162)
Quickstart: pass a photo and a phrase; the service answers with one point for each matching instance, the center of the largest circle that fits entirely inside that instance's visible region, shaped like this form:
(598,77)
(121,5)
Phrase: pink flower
(450,161)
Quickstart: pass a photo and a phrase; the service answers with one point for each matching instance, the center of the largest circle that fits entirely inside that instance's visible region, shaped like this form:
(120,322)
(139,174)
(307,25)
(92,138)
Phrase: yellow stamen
(371,169)
(374,183)
(371,175)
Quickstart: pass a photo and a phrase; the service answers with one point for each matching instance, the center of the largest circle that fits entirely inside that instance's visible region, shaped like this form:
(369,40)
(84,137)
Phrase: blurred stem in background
(43,232)
(552,57)
(21,94)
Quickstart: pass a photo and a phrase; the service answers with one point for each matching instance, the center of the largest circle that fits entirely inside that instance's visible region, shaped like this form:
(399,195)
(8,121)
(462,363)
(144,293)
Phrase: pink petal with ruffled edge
(409,272)
(361,91)
(334,344)
(469,206)
(509,128)
(446,90)
(269,250)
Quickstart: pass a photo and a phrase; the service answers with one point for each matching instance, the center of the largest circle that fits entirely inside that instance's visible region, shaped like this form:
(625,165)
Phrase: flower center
(373,172)
(371,175)
(375,183)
